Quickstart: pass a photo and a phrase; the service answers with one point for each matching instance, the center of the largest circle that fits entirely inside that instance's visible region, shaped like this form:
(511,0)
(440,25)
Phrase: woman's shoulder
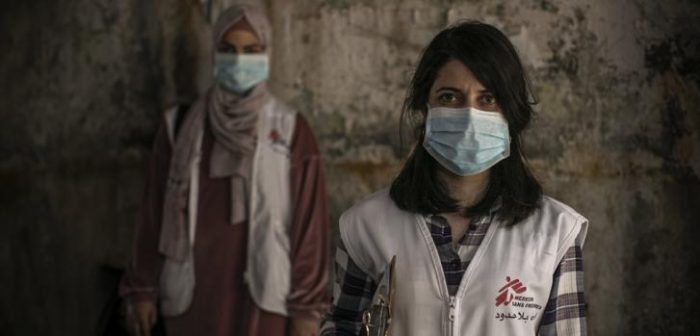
(280,107)
(376,212)
(556,219)
(553,207)
(375,203)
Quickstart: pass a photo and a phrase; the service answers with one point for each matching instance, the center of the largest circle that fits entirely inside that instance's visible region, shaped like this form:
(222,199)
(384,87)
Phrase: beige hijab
(233,121)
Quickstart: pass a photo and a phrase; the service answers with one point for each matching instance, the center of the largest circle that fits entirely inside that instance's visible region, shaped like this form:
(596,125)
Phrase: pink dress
(221,304)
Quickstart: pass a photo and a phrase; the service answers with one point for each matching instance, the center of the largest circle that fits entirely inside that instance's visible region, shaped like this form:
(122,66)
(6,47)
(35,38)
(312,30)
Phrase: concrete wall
(617,135)
(81,87)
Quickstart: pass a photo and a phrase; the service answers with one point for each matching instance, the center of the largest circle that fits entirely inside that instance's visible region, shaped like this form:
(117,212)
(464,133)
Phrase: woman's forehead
(241,28)
(242,24)
(456,75)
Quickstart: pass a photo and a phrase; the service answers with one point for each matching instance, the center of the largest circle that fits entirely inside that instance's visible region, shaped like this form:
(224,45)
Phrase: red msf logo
(274,135)
(506,292)
(276,138)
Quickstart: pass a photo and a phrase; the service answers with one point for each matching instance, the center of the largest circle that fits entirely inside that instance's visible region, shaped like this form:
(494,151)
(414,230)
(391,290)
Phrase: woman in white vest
(233,228)
(479,249)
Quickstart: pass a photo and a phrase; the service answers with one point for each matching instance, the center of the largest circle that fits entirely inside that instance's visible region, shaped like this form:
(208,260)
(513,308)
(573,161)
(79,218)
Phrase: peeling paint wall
(82,84)
(617,134)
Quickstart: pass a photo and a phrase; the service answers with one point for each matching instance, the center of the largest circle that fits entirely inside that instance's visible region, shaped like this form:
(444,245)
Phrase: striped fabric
(565,313)
(455,261)
(353,289)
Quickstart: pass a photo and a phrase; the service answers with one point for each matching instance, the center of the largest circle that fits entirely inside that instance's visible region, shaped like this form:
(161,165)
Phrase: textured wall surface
(617,135)
(82,84)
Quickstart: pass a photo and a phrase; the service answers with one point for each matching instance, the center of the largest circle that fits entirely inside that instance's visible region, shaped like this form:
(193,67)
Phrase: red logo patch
(505,295)
(274,135)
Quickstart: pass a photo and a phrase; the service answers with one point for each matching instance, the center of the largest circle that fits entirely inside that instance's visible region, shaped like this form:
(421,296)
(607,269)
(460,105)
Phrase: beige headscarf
(233,121)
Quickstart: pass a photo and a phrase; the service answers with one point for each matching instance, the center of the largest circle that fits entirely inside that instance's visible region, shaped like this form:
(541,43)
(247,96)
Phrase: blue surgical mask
(240,73)
(466,141)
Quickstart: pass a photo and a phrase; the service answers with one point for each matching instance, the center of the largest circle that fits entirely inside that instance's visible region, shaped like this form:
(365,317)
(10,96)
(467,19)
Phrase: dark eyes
(447,98)
(249,49)
(487,99)
(254,49)
(226,48)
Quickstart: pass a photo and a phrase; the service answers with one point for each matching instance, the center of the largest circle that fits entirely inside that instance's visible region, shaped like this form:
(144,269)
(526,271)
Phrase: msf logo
(505,295)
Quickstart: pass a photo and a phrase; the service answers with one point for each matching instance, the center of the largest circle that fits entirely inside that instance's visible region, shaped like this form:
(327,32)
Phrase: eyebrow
(254,45)
(227,44)
(445,88)
(449,88)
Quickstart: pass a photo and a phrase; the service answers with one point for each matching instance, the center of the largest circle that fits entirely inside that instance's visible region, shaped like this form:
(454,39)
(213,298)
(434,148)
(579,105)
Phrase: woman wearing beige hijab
(233,229)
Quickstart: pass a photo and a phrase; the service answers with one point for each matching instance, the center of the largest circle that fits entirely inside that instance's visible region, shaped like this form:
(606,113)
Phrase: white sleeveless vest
(268,265)
(504,290)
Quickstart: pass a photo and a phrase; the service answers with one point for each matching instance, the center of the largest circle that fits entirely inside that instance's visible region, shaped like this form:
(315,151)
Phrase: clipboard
(376,320)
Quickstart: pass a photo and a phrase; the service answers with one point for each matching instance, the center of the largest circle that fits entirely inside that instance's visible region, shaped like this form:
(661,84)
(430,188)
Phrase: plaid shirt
(353,289)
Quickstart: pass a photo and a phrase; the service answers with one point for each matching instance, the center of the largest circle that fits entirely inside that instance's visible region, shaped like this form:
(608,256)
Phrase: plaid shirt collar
(440,222)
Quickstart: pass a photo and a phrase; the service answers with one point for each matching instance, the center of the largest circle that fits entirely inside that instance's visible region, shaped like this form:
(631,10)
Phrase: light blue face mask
(240,73)
(466,141)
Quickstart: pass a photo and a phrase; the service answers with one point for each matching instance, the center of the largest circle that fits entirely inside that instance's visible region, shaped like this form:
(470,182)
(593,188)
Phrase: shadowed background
(617,135)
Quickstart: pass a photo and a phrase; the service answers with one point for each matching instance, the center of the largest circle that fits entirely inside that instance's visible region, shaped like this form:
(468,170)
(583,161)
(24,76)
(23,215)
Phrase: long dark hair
(489,54)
